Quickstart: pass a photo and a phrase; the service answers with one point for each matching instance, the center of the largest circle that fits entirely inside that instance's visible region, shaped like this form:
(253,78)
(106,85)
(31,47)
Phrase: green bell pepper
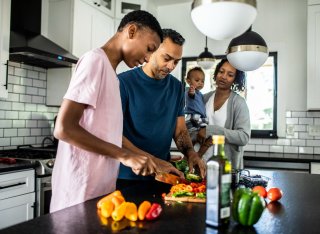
(247,207)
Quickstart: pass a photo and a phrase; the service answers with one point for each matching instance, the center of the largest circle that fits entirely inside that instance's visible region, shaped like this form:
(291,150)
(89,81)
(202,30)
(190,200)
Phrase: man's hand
(195,160)
(164,166)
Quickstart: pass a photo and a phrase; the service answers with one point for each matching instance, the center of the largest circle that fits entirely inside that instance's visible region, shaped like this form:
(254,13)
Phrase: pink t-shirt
(79,175)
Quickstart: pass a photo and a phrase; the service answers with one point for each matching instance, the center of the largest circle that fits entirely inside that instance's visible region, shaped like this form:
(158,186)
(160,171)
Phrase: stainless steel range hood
(27,45)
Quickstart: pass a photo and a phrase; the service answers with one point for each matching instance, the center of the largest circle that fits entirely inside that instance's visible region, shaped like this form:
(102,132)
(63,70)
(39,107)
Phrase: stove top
(43,156)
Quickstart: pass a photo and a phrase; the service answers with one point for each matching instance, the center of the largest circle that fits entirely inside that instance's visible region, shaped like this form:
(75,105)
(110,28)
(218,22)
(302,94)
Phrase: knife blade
(170,178)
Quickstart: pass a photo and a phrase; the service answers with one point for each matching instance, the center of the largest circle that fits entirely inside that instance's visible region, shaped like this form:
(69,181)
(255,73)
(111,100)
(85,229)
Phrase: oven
(44,158)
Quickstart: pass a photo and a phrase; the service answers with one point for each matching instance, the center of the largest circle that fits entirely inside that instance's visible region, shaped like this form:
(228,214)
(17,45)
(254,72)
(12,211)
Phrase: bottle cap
(217,139)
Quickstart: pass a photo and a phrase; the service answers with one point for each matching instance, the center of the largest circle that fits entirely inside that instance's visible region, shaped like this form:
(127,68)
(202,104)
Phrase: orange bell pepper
(119,212)
(143,209)
(108,197)
(131,211)
(107,208)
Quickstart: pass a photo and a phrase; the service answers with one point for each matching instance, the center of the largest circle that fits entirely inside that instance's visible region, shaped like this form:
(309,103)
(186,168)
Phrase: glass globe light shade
(223,19)
(247,52)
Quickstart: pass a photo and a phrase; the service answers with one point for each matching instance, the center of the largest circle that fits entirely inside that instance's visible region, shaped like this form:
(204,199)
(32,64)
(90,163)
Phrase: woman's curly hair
(239,83)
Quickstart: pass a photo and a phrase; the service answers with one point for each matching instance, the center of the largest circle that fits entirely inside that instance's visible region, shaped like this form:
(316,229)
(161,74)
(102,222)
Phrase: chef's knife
(170,178)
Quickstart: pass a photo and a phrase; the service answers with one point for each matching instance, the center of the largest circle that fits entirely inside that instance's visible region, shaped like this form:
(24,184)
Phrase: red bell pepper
(154,211)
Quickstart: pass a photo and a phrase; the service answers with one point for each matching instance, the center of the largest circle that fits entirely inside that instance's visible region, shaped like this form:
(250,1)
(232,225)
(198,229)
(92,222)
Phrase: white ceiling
(168,2)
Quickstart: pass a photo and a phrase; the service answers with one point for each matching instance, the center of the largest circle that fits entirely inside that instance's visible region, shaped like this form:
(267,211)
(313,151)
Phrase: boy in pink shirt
(89,123)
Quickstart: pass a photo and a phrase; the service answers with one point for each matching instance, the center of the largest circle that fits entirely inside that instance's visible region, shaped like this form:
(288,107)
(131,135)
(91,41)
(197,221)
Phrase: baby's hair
(194,69)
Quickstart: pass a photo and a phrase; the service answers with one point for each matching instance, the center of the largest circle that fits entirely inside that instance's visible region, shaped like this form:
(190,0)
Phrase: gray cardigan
(237,128)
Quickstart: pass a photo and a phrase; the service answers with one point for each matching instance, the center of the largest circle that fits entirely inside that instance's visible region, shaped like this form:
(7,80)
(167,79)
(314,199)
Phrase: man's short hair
(173,35)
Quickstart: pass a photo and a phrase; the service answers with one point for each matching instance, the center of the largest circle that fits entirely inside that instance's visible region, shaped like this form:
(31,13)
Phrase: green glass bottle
(218,185)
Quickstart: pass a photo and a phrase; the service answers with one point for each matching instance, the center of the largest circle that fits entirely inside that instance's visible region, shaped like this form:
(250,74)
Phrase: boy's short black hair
(173,35)
(141,19)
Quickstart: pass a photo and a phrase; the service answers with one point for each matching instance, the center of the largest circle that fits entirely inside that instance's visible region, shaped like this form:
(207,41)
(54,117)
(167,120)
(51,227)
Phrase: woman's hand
(140,164)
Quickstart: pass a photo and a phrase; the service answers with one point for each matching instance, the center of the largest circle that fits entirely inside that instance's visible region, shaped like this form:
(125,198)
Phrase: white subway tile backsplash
(305,120)
(10,132)
(14,80)
(11,115)
(35,131)
(39,83)
(46,132)
(1,132)
(26,82)
(18,106)
(14,97)
(25,98)
(27,67)
(20,72)
(19,89)
(24,115)
(300,128)
(14,64)
(255,141)
(31,123)
(262,148)
(305,135)
(2,114)
(291,149)
(38,99)
(43,76)
(33,74)
(313,114)
(43,124)
(5,105)
(313,143)
(250,147)
(4,141)
(316,150)
(30,107)
(269,141)
(5,123)
(298,114)
(298,142)
(283,142)
(18,123)
(24,132)
(288,114)
(317,121)
(40,69)
(17,141)
(305,150)
(10,70)
(42,92)
(276,148)
(30,140)
(292,120)
(32,90)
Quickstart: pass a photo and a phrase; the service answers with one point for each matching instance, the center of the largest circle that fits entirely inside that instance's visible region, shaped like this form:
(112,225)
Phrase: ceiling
(169,2)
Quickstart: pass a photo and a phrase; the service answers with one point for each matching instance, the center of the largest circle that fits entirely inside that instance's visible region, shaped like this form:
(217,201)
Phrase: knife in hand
(170,178)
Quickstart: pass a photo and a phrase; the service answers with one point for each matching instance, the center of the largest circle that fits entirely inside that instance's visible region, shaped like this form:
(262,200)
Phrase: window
(260,93)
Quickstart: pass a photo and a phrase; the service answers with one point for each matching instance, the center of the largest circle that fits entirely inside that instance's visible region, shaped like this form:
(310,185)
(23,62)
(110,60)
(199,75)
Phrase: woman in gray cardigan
(228,113)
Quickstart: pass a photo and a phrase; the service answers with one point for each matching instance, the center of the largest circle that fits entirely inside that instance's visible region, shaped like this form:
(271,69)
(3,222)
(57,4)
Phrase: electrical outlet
(290,130)
(314,130)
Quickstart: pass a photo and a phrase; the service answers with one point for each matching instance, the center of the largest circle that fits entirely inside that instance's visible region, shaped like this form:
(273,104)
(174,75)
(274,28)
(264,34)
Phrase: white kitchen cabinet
(106,6)
(78,26)
(313,55)
(125,6)
(17,197)
(4,45)
(91,28)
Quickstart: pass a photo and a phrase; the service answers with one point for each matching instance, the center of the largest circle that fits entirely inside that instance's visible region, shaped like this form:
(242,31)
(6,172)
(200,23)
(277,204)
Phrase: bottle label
(225,196)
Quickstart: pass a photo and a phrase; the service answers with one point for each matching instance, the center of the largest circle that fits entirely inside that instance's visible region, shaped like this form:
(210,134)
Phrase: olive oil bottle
(218,185)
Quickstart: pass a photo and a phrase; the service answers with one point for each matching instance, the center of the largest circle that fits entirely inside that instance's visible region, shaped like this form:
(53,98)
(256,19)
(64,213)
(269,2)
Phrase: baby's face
(196,80)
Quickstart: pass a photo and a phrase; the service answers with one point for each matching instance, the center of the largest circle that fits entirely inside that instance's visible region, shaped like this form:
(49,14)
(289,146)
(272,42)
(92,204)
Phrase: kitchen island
(297,212)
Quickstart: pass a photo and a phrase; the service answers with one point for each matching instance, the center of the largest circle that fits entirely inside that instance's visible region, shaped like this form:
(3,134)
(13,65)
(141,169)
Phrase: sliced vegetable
(154,211)
(193,177)
(182,165)
(201,195)
(183,194)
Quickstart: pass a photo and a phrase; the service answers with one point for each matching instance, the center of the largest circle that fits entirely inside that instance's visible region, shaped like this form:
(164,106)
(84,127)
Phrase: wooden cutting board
(169,197)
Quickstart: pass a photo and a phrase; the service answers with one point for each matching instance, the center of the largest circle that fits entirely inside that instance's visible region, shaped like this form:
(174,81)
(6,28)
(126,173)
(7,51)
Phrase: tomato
(260,190)
(274,194)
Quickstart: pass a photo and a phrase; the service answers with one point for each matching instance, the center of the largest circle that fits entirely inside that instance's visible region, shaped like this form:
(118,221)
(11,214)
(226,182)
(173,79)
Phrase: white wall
(283,25)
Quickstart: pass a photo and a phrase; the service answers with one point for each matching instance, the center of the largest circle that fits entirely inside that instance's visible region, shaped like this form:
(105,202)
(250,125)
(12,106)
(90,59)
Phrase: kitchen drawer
(16,183)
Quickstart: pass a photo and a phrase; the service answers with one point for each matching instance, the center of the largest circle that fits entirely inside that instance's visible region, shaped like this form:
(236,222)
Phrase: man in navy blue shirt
(153,110)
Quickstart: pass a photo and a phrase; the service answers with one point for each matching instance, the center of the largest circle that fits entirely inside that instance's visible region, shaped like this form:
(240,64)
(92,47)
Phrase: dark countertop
(297,212)
(19,165)
(268,156)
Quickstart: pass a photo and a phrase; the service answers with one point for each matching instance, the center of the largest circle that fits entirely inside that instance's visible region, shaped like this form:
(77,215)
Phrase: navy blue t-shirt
(150,111)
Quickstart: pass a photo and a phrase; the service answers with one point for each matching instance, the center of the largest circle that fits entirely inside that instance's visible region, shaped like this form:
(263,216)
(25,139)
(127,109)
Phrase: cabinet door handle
(12,185)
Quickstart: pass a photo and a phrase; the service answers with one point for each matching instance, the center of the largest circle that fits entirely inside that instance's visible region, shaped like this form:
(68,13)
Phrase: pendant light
(223,19)
(247,52)
(206,59)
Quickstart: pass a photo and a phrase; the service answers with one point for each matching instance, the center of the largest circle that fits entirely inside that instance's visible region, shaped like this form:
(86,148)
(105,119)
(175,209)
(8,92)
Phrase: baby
(195,107)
